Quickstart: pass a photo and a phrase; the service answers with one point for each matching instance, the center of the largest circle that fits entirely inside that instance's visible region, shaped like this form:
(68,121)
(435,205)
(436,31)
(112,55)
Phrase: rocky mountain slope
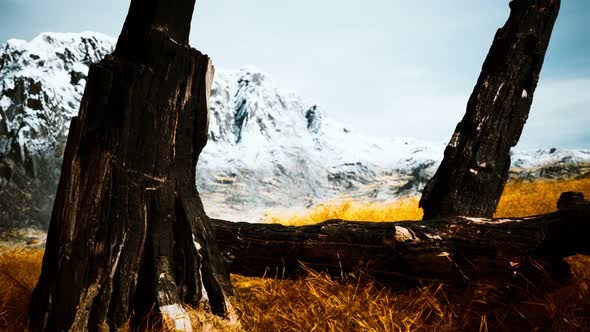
(267,148)
(41,84)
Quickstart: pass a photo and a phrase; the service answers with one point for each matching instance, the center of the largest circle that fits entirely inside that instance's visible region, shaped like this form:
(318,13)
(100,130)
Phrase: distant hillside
(267,148)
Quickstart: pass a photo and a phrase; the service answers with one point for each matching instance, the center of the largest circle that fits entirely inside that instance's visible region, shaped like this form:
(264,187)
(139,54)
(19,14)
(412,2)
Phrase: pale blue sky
(386,67)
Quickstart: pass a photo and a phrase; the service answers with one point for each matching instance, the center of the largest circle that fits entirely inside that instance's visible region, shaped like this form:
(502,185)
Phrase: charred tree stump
(454,249)
(128,232)
(472,175)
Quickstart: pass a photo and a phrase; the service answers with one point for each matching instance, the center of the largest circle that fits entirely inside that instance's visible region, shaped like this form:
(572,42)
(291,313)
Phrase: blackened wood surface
(170,17)
(472,175)
(128,232)
(455,248)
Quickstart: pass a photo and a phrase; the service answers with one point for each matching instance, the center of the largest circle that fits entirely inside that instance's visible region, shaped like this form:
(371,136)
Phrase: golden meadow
(356,302)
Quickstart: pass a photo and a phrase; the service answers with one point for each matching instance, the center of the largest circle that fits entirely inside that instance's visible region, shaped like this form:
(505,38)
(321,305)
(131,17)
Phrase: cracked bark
(472,175)
(128,232)
(457,249)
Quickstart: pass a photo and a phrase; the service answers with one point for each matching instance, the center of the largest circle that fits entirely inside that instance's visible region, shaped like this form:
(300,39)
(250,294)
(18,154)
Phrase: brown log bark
(472,175)
(128,233)
(455,248)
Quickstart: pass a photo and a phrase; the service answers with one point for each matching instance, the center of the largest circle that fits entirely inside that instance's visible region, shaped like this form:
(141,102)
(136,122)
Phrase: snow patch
(266,146)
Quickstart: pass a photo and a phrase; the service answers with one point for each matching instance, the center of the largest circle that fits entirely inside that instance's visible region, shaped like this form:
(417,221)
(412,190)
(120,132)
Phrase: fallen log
(456,248)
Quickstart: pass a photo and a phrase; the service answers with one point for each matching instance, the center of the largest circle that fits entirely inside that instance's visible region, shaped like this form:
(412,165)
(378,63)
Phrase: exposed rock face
(267,148)
(552,163)
(41,84)
(272,149)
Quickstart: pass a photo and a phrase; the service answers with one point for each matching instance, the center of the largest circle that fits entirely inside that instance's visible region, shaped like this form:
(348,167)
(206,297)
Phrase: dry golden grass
(357,303)
(402,209)
(524,198)
(320,303)
(520,198)
(19,271)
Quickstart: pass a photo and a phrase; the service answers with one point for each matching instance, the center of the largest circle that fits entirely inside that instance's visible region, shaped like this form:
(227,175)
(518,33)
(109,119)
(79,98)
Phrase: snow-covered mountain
(270,148)
(41,84)
(267,148)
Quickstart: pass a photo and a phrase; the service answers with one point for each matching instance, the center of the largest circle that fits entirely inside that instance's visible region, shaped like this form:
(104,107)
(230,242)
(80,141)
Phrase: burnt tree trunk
(472,175)
(455,249)
(128,232)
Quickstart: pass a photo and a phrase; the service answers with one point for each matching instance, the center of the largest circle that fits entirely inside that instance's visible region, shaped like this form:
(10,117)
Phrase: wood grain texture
(455,249)
(128,232)
(474,170)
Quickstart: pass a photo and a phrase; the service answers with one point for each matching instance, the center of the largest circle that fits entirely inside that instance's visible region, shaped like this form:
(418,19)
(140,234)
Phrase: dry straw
(356,302)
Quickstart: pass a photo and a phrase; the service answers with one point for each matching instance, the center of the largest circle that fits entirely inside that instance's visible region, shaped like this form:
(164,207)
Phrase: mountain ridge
(267,148)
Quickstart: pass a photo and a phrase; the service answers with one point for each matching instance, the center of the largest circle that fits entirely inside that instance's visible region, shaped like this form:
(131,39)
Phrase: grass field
(519,199)
(358,303)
